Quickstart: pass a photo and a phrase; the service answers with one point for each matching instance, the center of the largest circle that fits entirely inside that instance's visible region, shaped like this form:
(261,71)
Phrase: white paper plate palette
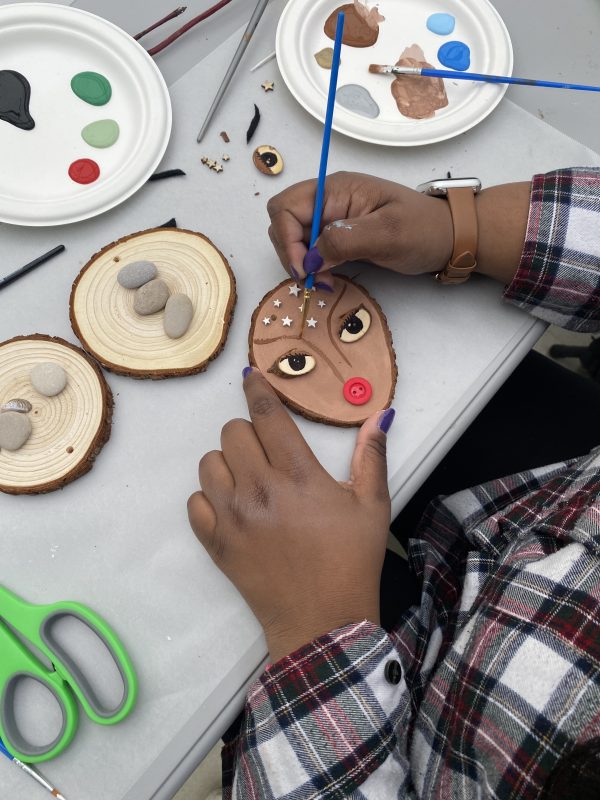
(477,24)
(49,44)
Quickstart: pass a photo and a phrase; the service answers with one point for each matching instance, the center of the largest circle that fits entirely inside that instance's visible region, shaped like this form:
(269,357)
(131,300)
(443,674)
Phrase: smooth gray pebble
(178,315)
(151,297)
(15,429)
(48,378)
(136,274)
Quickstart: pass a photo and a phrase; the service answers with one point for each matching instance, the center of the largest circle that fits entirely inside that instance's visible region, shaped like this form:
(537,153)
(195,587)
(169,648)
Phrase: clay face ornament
(342,369)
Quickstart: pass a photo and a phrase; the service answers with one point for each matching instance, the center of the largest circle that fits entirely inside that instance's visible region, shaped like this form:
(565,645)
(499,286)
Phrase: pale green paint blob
(102,133)
(91,87)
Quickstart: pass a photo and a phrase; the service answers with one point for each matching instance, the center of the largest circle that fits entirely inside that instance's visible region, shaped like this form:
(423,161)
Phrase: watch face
(439,188)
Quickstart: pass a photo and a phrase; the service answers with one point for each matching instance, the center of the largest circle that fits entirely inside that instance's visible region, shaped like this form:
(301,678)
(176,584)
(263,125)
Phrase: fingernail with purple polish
(245,372)
(324,287)
(294,272)
(386,419)
(312,261)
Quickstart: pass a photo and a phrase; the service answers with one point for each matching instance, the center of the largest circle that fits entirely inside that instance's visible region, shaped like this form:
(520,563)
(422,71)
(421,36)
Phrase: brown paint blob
(417,97)
(84,170)
(361,26)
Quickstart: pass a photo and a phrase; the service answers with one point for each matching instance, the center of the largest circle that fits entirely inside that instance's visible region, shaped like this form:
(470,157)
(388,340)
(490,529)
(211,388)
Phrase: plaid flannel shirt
(496,675)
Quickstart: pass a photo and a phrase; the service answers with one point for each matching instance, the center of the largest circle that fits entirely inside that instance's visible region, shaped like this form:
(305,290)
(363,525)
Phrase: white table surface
(118,538)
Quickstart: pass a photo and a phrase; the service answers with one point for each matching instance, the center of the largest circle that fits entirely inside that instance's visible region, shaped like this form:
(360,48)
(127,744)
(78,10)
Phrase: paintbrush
(160,22)
(32,773)
(254,20)
(32,265)
(318,210)
(387,69)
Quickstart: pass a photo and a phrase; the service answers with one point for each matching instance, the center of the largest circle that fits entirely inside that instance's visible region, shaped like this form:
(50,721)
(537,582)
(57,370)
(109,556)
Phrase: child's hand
(304,550)
(364,219)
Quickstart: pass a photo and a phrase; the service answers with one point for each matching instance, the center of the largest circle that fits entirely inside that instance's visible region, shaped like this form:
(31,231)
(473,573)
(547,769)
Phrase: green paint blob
(91,87)
(102,133)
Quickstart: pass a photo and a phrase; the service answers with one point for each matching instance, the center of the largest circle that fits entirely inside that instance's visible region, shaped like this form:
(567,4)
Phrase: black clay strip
(32,265)
(168,173)
(253,125)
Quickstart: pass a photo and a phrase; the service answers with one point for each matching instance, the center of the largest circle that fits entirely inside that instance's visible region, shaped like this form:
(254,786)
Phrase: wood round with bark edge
(64,442)
(298,409)
(103,319)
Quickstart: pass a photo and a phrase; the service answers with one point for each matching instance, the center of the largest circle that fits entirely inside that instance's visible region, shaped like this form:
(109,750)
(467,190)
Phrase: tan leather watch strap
(464,220)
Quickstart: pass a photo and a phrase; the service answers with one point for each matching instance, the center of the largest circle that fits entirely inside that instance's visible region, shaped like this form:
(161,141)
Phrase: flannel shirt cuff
(319,721)
(558,279)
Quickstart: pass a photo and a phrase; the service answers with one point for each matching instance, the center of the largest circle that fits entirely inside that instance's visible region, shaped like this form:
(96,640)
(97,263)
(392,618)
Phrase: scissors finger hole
(90,661)
(32,715)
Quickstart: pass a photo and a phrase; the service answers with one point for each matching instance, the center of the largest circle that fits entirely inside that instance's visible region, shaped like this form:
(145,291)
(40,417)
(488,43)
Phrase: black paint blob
(14,99)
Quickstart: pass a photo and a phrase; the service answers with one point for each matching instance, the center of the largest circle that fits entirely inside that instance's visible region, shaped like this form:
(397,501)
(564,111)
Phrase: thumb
(368,469)
(340,241)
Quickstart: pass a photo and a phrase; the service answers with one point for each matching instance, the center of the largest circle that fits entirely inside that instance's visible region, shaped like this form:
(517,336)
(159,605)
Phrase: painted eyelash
(348,317)
(275,370)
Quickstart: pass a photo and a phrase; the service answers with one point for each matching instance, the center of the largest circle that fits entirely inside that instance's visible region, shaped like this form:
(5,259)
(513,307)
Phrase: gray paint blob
(356,98)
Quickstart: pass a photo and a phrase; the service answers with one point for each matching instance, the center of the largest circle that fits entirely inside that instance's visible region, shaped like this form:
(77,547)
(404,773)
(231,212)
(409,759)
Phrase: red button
(357,391)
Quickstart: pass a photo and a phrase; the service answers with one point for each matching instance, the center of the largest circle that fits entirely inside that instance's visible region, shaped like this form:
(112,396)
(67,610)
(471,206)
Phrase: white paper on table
(118,538)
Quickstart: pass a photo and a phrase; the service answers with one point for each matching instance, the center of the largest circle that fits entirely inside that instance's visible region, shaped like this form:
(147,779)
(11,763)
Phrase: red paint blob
(84,170)
(357,391)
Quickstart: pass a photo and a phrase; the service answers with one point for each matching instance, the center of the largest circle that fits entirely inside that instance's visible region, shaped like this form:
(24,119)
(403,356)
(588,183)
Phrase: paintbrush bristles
(379,69)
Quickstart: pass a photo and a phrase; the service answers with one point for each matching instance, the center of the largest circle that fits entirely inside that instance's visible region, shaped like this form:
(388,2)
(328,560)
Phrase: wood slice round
(68,431)
(103,318)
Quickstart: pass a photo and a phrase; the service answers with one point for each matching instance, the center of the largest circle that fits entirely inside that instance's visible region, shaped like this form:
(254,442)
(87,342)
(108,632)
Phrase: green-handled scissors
(65,680)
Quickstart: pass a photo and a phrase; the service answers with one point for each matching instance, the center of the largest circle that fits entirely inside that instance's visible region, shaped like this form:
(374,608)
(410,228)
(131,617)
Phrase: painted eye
(267,160)
(293,365)
(356,324)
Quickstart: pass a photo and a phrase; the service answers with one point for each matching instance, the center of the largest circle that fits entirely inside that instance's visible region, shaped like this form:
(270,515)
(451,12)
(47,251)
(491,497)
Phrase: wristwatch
(460,193)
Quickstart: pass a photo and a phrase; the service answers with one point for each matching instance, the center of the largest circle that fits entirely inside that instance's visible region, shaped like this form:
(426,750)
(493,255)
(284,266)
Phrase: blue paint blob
(442,24)
(455,55)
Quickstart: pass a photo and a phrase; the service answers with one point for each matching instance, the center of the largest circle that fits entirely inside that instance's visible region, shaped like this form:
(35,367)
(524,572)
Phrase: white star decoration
(322,303)
(301,308)
(267,321)
(295,290)
(311,323)
(287,322)
(276,303)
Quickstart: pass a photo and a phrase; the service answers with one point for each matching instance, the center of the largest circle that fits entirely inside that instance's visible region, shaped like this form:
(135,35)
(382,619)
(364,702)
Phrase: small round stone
(151,297)
(48,378)
(178,315)
(136,274)
(15,429)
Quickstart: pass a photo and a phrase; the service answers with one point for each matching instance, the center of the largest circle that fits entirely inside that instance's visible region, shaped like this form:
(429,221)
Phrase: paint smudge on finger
(455,55)
(417,97)
(340,224)
(442,24)
(356,98)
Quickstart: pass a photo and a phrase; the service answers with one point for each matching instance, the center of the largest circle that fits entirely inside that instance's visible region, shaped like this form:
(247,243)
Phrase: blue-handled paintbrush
(386,69)
(318,210)
(32,772)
